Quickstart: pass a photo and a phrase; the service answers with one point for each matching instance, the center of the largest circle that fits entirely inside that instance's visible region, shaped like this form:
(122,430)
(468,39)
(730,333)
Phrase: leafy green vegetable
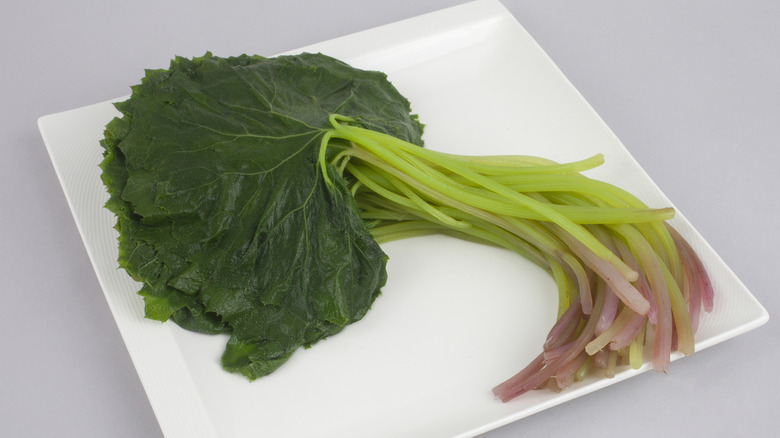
(251,194)
(222,211)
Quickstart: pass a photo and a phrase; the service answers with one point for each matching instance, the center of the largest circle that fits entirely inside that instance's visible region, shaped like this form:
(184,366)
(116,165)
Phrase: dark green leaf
(222,211)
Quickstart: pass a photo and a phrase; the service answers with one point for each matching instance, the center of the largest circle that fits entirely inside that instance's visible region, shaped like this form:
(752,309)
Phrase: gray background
(691,88)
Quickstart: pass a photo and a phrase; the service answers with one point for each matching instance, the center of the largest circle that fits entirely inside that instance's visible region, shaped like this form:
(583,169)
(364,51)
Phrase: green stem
(410,164)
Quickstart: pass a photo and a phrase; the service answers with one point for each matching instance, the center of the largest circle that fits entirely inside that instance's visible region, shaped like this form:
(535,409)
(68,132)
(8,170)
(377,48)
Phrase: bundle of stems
(625,277)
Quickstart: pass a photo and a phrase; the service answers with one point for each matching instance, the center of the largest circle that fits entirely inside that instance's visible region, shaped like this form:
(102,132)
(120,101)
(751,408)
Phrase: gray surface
(691,88)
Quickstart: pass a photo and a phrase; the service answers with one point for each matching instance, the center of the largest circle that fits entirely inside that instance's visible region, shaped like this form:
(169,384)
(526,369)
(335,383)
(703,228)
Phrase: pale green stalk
(408,164)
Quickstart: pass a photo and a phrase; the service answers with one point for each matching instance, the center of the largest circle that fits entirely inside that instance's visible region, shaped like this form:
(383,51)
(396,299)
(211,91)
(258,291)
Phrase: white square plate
(455,318)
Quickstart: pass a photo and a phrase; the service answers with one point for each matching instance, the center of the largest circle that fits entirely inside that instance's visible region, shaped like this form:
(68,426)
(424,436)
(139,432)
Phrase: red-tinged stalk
(543,373)
(552,354)
(530,370)
(641,283)
(682,321)
(607,315)
(621,286)
(691,292)
(617,326)
(625,278)
(626,336)
(565,375)
(660,238)
(564,327)
(657,233)
(696,267)
(648,260)
(611,299)
(600,359)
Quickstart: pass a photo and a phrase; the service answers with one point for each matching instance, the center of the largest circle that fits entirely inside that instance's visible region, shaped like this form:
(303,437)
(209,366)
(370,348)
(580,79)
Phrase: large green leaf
(222,211)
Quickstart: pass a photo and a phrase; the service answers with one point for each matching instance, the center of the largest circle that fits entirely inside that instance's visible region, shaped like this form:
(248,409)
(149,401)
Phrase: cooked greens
(222,211)
(252,193)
